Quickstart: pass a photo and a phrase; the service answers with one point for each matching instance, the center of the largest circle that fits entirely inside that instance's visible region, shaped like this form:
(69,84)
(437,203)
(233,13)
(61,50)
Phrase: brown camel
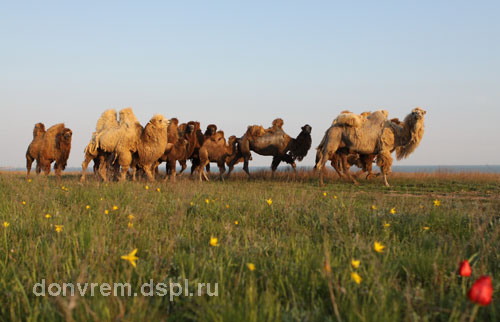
(179,149)
(272,142)
(215,149)
(55,146)
(34,148)
(373,135)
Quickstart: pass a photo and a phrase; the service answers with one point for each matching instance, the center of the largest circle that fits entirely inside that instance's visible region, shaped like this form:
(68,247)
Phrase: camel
(343,158)
(107,120)
(215,149)
(181,146)
(275,143)
(373,135)
(201,137)
(151,146)
(34,148)
(120,143)
(55,146)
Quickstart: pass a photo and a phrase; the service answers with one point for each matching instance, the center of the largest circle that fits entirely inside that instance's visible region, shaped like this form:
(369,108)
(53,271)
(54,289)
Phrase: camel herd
(121,147)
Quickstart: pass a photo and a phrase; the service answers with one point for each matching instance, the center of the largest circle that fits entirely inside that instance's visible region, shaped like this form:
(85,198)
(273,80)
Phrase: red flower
(464,269)
(481,291)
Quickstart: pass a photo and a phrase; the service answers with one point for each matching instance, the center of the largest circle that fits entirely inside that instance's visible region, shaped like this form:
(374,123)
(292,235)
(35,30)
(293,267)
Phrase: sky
(237,63)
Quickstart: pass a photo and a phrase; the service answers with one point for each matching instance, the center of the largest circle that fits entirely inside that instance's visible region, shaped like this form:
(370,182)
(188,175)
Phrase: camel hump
(278,123)
(108,119)
(55,128)
(255,130)
(348,119)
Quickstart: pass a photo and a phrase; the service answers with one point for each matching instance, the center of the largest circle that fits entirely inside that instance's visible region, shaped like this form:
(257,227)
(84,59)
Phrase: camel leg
(172,171)
(183,164)
(245,166)
(85,165)
(232,163)
(320,166)
(274,165)
(346,168)
(58,170)
(222,169)
(29,162)
(384,161)
(103,167)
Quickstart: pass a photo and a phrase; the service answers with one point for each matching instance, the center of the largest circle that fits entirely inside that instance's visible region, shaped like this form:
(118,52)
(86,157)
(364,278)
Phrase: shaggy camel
(193,144)
(151,146)
(107,120)
(55,146)
(272,142)
(343,158)
(215,149)
(34,148)
(120,143)
(373,135)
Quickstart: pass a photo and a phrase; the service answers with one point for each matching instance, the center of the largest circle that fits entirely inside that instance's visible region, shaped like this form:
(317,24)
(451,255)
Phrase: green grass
(289,242)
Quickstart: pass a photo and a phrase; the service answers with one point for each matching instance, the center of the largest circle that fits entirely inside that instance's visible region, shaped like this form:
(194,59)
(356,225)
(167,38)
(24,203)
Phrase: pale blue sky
(237,63)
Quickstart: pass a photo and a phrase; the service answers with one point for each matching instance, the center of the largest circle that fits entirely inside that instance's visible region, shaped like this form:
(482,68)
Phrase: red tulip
(465,269)
(481,291)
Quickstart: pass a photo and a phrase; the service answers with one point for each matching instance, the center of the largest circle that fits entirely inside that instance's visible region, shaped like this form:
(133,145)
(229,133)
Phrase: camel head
(174,121)
(414,126)
(190,128)
(418,113)
(67,134)
(211,130)
(159,121)
(306,129)
(39,129)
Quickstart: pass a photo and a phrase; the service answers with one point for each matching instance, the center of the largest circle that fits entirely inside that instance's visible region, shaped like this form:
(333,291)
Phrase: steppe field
(277,249)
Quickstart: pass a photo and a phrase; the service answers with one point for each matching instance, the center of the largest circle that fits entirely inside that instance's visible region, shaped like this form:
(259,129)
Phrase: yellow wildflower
(437,203)
(106,211)
(378,247)
(356,278)
(130,217)
(87,207)
(146,187)
(355,263)
(324,193)
(158,189)
(207,201)
(115,207)
(6,224)
(227,206)
(214,241)
(374,207)
(191,203)
(269,201)
(131,257)
(334,197)
(426,228)
(386,225)
(236,222)
(24,202)
(59,228)
(130,225)
(48,216)
(251,266)
(29,180)
(393,211)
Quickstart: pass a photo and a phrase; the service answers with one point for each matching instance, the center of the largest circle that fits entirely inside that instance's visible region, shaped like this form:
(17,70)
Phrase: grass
(301,245)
